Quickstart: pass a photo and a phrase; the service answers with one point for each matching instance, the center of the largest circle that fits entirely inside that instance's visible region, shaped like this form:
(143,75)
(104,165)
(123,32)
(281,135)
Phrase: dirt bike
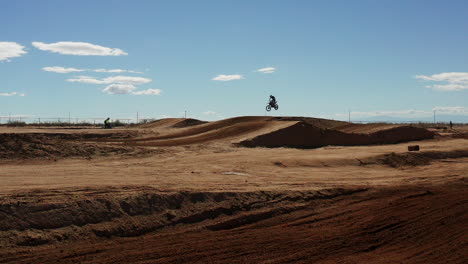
(272,104)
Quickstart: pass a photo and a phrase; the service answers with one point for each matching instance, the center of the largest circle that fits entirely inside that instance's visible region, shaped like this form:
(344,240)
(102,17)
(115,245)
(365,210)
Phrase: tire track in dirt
(412,224)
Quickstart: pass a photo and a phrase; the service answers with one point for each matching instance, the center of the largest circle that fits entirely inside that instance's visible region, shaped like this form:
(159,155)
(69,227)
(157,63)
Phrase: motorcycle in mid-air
(272,104)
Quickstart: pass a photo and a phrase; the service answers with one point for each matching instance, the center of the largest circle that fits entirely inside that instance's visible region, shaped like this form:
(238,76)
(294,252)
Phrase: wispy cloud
(78,48)
(406,113)
(110,80)
(12,94)
(58,69)
(114,71)
(119,84)
(448,87)
(455,81)
(17,116)
(410,113)
(148,92)
(226,78)
(267,70)
(11,50)
(451,109)
(209,113)
(119,88)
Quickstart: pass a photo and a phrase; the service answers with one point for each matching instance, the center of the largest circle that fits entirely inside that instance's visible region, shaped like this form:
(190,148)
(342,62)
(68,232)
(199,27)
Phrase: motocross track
(240,190)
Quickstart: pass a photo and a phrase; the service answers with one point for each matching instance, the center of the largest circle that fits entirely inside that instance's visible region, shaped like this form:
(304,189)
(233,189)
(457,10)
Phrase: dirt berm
(305,135)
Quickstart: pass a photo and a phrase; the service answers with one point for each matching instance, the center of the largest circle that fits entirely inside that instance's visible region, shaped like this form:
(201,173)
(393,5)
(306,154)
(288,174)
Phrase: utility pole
(434,116)
(137,117)
(185,114)
(349,115)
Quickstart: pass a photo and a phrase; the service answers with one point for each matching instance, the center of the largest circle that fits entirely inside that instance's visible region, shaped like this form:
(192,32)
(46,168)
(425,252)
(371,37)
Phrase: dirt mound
(460,135)
(236,130)
(318,122)
(189,122)
(305,135)
(417,158)
(211,126)
(296,132)
(364,128)
(22,146)
(162,123)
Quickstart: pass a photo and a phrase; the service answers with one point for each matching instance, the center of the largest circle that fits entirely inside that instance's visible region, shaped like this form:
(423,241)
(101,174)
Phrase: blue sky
(376,58)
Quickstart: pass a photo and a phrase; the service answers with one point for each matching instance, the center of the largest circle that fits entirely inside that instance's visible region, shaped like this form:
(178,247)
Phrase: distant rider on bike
(272,104)
(272,100)
(107,123)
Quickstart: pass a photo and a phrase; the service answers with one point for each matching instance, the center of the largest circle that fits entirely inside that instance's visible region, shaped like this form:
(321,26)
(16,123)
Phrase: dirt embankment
(56,145)
(398,160)
(305,135)
(419,224)
(34,219)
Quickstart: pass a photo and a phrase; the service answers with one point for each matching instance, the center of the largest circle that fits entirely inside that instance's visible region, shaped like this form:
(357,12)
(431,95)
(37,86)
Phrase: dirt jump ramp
(294,132)
(305,135)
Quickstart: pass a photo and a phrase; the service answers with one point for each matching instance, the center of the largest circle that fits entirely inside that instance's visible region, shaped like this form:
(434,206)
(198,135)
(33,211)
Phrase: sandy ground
(214,202)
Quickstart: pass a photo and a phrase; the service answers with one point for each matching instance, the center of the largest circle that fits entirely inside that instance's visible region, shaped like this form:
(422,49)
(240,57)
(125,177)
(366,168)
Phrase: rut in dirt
(417,224)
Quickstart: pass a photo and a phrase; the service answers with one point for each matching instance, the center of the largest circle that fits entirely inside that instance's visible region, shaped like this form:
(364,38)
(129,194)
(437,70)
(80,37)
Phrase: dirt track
(213,202)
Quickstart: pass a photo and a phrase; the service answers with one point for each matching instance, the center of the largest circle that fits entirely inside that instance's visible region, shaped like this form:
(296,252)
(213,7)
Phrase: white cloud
(267,70)
(109,80)
(114,71)
(411,113)
(226,78)
(451,109)
(8,94)
(12,94)
(119,89)
(456,81)
(448,87)
(209,113)
(119,84)
(452,77)
(58,69)
(407,113)
(86,79)
(79,48)
(148,92)
(17,116)
(10,50)
(126,80)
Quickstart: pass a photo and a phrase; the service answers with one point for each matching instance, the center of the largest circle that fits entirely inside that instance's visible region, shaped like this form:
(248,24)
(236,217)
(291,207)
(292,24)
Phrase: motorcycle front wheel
(268,108)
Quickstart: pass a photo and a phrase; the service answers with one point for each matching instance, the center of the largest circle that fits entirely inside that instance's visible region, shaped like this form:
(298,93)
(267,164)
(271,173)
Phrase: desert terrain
(239,190)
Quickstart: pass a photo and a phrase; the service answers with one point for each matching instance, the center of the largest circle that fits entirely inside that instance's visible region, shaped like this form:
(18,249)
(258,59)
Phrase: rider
(272,100)
(107,123)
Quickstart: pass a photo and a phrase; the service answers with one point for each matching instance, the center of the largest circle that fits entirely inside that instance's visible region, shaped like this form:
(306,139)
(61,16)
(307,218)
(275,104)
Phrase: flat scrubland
(240,190)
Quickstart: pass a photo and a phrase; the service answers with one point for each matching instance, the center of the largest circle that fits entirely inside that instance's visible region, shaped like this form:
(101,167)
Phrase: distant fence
(69,120)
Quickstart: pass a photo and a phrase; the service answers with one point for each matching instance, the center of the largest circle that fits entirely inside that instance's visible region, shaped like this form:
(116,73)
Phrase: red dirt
(196,198)
(389,225)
